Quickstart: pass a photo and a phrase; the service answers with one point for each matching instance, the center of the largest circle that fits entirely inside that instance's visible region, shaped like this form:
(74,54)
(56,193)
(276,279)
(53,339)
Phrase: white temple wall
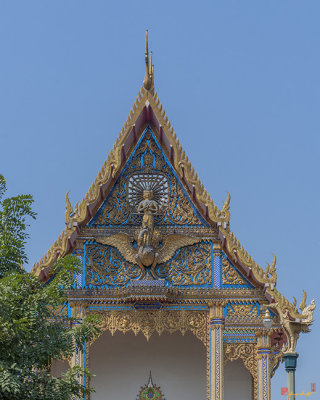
(122,363)
(237,381)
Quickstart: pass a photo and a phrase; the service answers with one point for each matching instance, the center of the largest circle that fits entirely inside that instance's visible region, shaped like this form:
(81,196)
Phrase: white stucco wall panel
(237,381)
(122,363)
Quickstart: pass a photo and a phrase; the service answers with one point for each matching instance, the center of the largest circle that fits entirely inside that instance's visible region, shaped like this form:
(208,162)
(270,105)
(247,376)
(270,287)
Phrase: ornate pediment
(148,169)
(149,225)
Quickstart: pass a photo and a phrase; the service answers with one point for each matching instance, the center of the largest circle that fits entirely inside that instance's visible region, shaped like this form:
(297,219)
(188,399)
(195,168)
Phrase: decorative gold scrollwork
(229,275)
(106,266)
(242,310)
(248,354)
(190,266)
(149,322)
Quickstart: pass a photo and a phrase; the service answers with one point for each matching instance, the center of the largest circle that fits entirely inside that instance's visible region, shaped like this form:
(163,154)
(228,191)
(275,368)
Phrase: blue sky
(240,83)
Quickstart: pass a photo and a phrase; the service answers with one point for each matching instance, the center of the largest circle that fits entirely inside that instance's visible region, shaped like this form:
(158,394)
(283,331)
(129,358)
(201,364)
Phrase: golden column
(216,351)
(263,365)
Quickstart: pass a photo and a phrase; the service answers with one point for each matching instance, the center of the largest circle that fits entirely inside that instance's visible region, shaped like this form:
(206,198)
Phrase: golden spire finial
(146,52)
(148,79)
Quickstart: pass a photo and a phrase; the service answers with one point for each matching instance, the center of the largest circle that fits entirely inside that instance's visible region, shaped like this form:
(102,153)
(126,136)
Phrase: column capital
(217,246)
(263,338)
(216,314)
(78,308)
(216,309)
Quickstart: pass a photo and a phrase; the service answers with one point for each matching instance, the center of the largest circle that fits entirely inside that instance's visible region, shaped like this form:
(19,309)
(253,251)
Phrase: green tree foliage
(13,214)
(31,333)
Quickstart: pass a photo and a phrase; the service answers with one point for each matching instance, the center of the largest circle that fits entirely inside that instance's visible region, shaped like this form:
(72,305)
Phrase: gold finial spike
(146,52)
(150,66)
(151,74)
(147,82)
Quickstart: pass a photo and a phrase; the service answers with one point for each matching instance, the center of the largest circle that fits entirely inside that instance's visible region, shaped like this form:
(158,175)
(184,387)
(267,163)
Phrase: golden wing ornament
(171,244)
(122,242)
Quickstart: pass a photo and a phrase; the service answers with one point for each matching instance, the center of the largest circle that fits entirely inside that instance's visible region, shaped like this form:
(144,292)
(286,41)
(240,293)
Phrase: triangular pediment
(104,205)
(148,168)
(147,149)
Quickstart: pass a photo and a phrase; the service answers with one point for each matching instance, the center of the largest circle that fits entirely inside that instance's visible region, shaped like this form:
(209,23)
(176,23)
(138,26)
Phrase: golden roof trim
(238,254)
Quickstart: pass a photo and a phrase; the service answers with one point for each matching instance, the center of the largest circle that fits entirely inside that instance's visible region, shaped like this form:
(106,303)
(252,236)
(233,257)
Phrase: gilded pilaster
(263,365)
(216,351)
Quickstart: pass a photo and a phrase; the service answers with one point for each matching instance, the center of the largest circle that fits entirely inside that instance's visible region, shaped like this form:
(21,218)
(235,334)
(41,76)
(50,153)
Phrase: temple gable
(147,167)
(148,226)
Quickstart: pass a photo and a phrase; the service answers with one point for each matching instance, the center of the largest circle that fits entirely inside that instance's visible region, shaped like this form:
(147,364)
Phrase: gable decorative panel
(231,277)
(147,168)
(105,266)
(190,266)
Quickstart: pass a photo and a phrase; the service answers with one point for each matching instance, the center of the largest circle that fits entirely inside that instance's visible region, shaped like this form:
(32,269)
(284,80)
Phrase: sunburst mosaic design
(156,183)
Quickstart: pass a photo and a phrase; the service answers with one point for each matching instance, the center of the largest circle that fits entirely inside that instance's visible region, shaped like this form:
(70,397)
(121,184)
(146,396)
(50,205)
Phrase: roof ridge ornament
(148,82)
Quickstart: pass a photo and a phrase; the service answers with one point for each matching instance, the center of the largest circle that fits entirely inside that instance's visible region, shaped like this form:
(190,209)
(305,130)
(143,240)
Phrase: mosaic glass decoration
(150,391)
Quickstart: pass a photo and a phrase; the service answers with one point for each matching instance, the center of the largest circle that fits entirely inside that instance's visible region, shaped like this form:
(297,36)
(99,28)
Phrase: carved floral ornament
(105,265)
(149,322)
(230,275)
(248,354)
(245,351)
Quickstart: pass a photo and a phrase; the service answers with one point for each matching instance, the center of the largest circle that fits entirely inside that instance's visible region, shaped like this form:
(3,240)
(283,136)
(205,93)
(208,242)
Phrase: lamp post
(290,362)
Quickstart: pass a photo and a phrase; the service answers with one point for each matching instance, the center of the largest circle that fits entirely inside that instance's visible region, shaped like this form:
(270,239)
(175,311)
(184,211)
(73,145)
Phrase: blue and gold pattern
(191,265)
(244,309)
(148,157)
(106,266)
(239,335)
(231,278)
